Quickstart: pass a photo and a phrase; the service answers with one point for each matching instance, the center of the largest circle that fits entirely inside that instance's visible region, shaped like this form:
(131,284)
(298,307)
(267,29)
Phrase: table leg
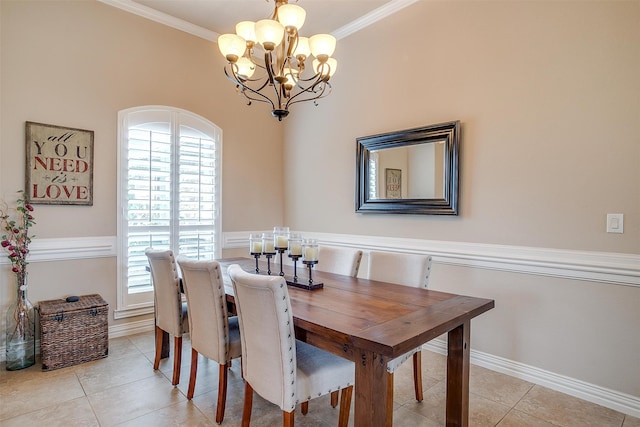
(458,376)
(370,389)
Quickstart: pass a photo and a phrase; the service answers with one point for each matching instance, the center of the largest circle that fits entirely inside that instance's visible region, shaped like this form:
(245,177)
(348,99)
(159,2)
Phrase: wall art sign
(59,166)
(393,180)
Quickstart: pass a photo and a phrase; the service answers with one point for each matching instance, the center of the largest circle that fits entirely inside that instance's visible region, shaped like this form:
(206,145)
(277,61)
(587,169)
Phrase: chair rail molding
(602,267)
(70,248)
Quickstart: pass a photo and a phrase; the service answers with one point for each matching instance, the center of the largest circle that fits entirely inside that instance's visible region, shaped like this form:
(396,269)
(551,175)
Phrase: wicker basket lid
(84,302)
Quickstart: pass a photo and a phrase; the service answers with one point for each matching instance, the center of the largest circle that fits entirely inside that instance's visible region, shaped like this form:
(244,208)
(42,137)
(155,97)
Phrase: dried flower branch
(17,239)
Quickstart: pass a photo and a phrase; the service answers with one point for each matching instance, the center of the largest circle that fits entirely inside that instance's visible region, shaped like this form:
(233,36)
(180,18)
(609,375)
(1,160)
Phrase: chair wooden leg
(334,398)
(194,371)
(222,392)
(304,407)
(287,418)
(417,375)
(248,402)
(159,335)
(389,421)
(345,406)
(177,359)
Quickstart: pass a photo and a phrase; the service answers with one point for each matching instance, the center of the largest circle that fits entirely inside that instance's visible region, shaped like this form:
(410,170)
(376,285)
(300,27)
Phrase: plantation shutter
(172,192)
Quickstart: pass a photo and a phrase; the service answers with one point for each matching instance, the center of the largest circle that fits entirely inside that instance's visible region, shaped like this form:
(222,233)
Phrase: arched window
(168,194)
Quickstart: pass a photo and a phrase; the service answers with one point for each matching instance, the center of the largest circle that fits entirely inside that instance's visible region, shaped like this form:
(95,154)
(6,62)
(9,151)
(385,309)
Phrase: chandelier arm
(268,66)
(314,82)
(243,88)
(324,91)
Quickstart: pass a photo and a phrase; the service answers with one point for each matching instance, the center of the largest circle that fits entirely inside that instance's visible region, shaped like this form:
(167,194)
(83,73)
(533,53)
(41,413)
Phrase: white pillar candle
(311,253)
(283,242)
(281,237)
(268,247)
(255,243)
(295,249)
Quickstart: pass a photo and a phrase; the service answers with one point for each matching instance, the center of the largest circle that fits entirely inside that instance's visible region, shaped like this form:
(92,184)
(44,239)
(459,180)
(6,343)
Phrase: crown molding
(372,17)
(146,12)
(162,18)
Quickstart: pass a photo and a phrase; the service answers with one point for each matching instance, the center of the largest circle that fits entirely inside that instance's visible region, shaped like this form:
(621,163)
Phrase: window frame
(142,301)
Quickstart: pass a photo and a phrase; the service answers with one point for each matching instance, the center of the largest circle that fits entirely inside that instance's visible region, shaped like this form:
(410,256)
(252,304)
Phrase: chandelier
(266,60)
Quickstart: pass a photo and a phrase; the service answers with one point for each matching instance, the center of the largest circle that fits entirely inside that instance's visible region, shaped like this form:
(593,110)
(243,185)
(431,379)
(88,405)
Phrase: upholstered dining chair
(409,270)
(281,369)
(170,311)
(213,333)
(338,260)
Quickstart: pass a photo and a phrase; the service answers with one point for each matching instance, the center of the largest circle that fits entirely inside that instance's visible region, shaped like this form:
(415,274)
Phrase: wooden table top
(385,318)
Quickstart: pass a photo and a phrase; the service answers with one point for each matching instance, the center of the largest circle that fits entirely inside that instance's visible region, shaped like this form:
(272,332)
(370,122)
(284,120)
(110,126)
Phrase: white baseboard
(608,398)
(612,399)
(131,328)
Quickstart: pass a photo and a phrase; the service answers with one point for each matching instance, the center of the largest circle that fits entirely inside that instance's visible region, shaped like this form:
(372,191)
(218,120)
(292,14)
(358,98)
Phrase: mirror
(412,171)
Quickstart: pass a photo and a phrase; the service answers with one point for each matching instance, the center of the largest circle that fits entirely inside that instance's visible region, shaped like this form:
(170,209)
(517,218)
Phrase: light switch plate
(615,223)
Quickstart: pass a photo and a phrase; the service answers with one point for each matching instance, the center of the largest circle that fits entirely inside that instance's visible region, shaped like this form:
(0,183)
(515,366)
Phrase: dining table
(372,322)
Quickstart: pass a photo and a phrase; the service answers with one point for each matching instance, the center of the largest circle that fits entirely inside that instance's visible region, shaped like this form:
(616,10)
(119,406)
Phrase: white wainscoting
(608,268)
(602,267)
(70,249)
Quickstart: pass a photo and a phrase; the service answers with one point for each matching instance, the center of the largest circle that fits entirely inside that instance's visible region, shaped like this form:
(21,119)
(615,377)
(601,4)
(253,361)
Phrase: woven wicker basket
(73,332)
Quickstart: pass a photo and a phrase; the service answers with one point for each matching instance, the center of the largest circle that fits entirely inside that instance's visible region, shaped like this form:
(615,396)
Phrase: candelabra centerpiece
(281,240)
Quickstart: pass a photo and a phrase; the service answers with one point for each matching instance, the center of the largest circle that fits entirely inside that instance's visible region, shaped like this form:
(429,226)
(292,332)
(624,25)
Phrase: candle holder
(268,249)
(255,248)
(309,249)
(269,256)
(256,256)
(295,269)
(281,242)
(311,285)
(280,252)
(295,252)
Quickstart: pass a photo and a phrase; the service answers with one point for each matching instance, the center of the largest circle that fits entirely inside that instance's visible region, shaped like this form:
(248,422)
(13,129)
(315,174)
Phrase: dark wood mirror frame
(449,133)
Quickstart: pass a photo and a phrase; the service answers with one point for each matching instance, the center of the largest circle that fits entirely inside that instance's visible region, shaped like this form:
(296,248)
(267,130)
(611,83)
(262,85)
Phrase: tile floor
(124,390)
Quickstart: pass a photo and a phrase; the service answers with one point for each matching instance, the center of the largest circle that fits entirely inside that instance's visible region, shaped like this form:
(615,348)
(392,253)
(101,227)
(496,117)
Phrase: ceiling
(209,18)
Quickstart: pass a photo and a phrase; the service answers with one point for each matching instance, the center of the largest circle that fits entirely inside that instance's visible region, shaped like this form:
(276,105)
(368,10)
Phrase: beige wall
(547,94)
(76,64)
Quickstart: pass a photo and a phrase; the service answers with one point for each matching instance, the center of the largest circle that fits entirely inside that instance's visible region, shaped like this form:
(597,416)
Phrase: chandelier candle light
(280,77)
